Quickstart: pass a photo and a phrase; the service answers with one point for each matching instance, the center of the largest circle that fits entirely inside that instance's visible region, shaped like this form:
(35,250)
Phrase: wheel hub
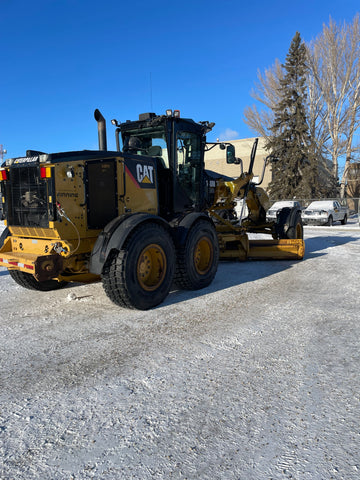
(151,267)
(203,255)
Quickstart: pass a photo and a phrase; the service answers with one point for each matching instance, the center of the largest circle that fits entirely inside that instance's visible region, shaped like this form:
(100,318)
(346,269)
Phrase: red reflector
(177,113)
(45,172)
(3,175)
(17,264)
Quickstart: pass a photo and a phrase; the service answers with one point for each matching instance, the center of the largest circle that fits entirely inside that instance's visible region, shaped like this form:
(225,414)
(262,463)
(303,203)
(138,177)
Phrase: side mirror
(230,154)
(272,159)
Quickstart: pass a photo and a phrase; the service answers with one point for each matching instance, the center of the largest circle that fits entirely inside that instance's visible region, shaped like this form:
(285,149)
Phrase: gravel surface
(255,377)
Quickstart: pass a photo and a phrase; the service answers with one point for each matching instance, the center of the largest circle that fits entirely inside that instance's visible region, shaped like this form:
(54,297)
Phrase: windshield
(284,204)
(147,141)
(325,205)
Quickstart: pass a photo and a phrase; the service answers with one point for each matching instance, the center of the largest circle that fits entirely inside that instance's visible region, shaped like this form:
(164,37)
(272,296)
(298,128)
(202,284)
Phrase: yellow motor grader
(139,218)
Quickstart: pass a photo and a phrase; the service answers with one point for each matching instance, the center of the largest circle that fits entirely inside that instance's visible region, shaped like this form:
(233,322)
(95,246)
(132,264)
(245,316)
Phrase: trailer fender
(114,236)
(181,230)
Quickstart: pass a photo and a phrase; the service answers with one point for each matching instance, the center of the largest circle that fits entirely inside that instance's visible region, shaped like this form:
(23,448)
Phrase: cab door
(189,169)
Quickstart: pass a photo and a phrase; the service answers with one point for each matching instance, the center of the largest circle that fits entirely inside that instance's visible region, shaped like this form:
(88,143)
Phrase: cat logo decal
(142,174)
(145,173)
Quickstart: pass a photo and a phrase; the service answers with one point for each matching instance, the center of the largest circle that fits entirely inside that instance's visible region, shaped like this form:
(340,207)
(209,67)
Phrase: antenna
(151,102)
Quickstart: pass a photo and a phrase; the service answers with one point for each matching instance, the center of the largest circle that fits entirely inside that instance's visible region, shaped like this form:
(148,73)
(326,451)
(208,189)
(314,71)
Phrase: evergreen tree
(295,173)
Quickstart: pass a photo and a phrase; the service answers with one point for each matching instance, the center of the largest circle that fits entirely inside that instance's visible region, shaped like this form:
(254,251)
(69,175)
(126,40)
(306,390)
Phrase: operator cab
(177,146)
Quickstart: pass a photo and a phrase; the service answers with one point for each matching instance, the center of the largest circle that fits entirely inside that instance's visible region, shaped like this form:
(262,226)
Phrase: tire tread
(114,273)
(182,277)
(26,280)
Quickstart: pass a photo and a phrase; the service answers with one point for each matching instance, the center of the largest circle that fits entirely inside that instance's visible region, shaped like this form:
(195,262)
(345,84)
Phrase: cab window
(151,142)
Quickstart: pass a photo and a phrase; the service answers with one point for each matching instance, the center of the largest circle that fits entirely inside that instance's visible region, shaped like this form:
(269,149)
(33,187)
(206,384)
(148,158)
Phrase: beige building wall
(215,160)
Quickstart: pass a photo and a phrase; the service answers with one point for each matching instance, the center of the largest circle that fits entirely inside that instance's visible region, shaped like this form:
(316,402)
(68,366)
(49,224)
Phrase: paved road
(255,377)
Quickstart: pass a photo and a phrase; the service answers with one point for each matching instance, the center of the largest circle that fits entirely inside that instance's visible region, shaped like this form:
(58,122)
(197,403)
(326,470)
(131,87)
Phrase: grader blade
(286,249)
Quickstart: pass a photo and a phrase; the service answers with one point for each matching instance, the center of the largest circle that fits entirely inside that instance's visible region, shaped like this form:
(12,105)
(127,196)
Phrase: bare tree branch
(333,94)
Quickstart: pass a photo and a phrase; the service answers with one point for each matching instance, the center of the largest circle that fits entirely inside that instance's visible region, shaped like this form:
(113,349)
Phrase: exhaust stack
(101,129)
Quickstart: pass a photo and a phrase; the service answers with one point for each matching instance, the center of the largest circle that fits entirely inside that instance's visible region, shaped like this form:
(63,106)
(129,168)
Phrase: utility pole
(2,153)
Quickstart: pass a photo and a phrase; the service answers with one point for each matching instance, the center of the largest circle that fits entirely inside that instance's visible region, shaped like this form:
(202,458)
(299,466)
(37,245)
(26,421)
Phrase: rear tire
(3,236)
(26,280)
(344,220)
(141,273)
(198,258)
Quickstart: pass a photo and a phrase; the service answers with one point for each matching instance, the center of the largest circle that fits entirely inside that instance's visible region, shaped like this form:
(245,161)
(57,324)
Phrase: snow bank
(254,377)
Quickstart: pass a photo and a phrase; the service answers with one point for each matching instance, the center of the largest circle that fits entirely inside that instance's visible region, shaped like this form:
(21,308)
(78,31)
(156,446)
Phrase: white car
(325,212)
(277,206)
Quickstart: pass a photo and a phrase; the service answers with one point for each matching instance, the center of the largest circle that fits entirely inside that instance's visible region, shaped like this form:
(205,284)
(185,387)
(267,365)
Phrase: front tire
(330,221)
(139,276)
(26,280)
(296,229)
(289,224)
(198,258)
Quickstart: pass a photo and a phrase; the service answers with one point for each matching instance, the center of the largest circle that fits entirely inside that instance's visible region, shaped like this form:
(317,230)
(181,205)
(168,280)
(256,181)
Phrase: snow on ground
(255,377)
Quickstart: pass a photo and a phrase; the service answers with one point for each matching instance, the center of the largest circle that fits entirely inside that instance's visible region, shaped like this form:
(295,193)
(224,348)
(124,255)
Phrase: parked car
(277,206)
(325,212)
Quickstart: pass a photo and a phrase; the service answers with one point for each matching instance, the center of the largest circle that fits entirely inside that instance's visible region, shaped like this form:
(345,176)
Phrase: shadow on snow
(235,273)
(313,245)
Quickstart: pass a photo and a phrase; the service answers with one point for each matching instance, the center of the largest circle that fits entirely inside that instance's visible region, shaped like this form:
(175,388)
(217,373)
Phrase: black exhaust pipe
(101,129)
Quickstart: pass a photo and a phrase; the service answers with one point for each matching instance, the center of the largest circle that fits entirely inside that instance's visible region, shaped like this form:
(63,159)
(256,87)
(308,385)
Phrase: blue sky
(61,59)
